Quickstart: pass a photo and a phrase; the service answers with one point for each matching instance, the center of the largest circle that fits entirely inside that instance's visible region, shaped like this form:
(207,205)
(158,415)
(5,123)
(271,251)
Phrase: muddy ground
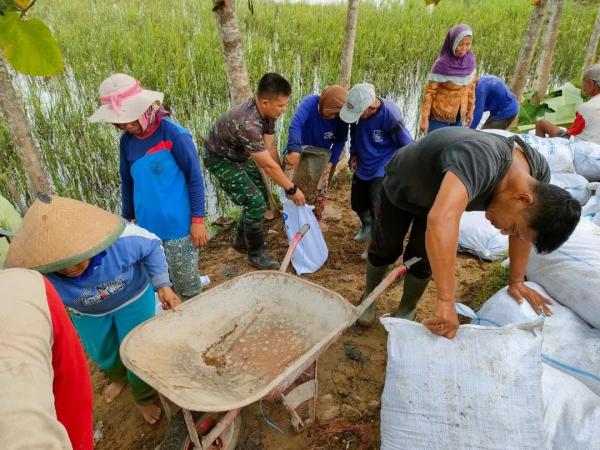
(351,372)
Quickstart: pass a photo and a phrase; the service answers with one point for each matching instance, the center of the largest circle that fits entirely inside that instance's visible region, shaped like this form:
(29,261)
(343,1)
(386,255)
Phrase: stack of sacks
(479,237)
(571,274)
(591,210)
(575,184)
(586,156)
(571,369)
(557,152)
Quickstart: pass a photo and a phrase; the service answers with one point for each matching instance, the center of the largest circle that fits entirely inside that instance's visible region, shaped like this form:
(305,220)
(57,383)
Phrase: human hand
(353,162)
(445,323)
(298,197)
(292,160)
(198,234)
(424,126)
(168,298)
(468,120)
(519,291)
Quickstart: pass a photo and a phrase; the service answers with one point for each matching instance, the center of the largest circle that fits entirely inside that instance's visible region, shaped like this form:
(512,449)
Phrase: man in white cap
(586,125)
(377,131)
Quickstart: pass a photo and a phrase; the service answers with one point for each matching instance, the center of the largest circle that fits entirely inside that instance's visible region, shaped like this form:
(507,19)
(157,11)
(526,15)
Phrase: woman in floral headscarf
(450,90)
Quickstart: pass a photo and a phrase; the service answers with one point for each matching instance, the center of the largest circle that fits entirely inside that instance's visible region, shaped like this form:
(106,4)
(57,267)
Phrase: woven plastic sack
(570,344)
(571,412)
(479,237)
(312,252)
(586,157)
(557,152)
(574,184)
(571,274)
(591,210)
(480,390)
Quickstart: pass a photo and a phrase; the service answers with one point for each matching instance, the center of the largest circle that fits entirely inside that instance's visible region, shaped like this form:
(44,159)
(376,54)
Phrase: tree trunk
(590,53)
(233,52)
(519,78)
(542,76)
(15,116)
(348,52)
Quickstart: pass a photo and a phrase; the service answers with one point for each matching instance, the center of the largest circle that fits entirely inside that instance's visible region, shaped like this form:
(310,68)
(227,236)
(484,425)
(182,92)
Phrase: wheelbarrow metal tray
(235,343)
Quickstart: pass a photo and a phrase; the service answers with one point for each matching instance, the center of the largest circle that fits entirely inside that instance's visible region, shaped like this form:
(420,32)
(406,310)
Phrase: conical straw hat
(59,232)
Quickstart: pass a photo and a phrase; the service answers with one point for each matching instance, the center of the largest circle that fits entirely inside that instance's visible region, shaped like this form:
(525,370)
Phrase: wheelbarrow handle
(293,244)
(395,274)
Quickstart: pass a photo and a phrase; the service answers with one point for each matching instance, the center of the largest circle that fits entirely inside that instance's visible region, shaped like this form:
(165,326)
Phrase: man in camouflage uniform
(241,141)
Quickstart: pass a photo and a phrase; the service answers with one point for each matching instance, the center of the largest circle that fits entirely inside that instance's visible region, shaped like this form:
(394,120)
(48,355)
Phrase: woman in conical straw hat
(106,273)
(161,182)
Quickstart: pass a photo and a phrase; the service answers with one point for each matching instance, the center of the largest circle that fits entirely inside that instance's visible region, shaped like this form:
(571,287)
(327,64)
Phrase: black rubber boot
(365,230)
(412,292)
(374,276)
(255,244)
(238,241)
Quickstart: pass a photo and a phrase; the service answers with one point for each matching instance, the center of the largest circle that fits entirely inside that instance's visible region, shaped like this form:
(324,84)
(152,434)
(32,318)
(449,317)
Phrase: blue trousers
(435,125)
(101,337)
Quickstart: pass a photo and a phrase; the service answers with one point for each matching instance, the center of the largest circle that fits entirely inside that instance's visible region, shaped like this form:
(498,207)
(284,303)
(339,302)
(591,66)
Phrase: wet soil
(351,372)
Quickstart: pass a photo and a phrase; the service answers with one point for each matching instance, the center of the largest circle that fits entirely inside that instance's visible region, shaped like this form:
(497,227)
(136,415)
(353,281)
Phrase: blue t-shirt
(161,181)
(134,260)
(494,96)
(375,140)
(309,128)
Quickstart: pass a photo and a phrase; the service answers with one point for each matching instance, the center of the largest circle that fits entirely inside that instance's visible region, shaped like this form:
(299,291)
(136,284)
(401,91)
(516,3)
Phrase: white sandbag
(312,252)
(480,390)
(571,274)
(591,210)
(479,237)
(571,412)
(570,344)
(586,157)
(574,184)
(556,150)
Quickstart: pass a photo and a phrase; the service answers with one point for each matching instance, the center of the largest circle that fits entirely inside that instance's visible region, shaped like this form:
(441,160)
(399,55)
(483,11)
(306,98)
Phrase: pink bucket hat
(123,100)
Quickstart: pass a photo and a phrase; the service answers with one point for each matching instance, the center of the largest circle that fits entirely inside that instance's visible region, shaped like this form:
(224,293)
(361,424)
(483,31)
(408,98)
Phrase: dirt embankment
(351,372)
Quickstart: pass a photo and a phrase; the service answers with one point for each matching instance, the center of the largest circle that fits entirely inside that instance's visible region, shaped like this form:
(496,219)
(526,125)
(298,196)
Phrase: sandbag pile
(479,237)
(571,368)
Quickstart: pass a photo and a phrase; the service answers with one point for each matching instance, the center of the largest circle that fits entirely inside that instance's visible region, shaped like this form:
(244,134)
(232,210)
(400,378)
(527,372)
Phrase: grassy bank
(174,47)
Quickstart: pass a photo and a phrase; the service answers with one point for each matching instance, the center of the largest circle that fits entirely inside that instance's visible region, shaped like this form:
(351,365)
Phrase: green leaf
(6,6)
(29,46)
(529,113)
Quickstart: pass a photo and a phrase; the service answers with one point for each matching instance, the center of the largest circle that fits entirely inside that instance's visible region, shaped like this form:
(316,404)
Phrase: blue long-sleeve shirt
(309,128)
(494,96)
(122,275)
(161,182)
(374,140)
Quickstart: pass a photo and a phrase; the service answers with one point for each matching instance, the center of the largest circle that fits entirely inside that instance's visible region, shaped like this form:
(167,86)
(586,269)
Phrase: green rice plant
(174,47)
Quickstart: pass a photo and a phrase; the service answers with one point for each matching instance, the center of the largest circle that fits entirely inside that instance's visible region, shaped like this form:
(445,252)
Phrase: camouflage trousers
(242,183)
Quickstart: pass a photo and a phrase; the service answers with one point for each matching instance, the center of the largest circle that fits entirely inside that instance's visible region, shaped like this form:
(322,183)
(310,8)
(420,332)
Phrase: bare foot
(112,391)
(151,412)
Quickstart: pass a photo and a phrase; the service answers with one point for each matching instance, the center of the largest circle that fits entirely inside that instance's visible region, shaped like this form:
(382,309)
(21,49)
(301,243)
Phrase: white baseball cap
(359,98)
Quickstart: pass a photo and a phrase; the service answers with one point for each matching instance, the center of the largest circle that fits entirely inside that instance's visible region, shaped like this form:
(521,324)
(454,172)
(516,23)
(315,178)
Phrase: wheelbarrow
(257,336)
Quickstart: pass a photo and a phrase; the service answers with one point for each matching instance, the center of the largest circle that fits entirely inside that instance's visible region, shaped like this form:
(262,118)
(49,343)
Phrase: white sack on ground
(586,158)
(480,390)
(312,252)
(570,344)
(574,184)
(591,210)
(479,237)
(571,412)
(571,274)
(557,152)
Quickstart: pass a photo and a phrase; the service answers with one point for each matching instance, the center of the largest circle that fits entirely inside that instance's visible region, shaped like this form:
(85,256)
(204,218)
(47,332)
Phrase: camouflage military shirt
(239,132)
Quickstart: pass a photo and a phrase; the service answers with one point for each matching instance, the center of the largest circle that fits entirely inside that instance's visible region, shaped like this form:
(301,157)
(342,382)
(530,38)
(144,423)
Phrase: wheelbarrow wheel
(177,437)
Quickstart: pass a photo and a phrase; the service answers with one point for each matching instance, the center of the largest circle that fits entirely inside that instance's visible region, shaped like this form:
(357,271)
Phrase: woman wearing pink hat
(161,182)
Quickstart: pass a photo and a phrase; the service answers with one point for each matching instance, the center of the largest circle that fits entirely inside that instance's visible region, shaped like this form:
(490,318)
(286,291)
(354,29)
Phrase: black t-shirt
(480,160)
